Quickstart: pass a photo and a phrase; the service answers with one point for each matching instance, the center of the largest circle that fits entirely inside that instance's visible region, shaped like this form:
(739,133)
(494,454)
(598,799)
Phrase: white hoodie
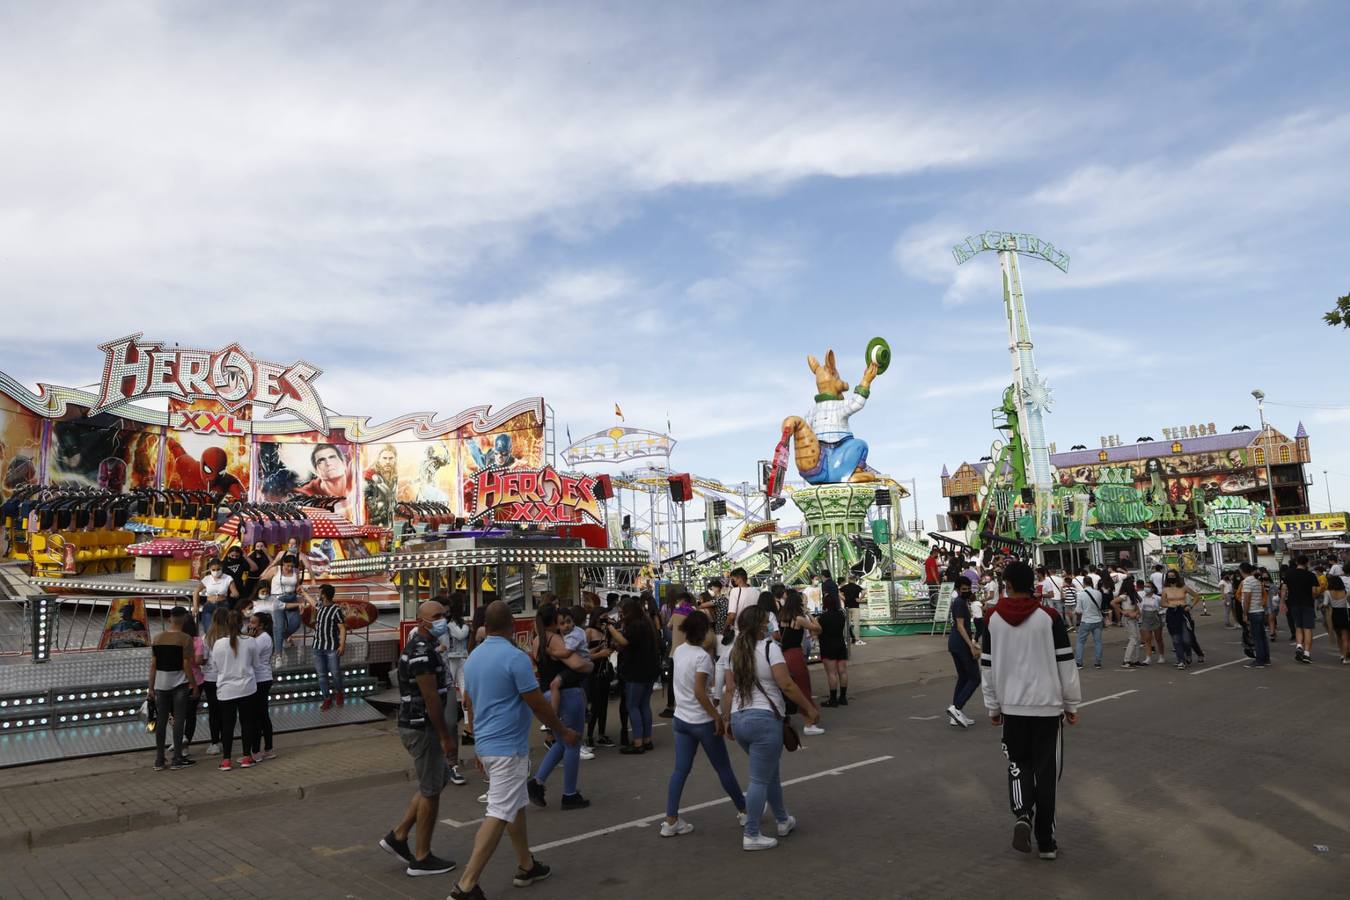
(1027,662)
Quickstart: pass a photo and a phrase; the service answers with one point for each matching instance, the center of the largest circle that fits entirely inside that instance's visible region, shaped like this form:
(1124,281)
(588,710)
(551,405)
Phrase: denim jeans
(1176,627)
(328,665)
(688,738)
(1095,630)
(967,676)
(171,701)
(760,734)
(1260,637)
(572,711)
(285,623)
(639,695)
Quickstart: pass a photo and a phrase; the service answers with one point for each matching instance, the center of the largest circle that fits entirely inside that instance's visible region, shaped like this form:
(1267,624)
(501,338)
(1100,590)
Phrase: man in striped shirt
(330,639)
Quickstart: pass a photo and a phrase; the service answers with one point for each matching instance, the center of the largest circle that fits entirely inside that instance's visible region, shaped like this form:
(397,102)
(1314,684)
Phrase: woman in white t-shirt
(285,574)
(219,589)
(696,723)
(233,658)
(757,681)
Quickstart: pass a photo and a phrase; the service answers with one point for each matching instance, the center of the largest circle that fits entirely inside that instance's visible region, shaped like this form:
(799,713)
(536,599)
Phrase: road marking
(1108,697)
(1231,662)
(454,824)
(331,851)
(648,820)
(925,718)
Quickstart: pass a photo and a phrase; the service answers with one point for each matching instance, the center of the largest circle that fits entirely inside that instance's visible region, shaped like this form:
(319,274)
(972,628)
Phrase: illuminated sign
(532,496)
(200,421)
(1330,522)
(134,369)
(618,444)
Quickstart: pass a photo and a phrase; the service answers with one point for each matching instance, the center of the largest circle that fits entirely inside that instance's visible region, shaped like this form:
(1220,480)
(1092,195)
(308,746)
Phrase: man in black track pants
(1029,682)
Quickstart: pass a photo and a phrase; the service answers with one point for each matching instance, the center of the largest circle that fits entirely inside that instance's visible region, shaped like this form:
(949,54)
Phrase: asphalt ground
(1213,782)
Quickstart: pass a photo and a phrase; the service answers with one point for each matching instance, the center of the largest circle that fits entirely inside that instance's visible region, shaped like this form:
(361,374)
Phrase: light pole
(1260,396)
(1328,484)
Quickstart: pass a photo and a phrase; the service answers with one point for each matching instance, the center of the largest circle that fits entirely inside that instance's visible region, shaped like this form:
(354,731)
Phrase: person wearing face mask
(330,640)
(220,593)
(965,653)
(422,688)
(286,573)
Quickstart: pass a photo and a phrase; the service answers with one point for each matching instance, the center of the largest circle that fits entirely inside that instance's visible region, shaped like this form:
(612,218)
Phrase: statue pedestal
(835,509)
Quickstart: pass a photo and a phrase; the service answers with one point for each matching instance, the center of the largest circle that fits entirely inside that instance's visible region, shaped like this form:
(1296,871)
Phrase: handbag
(791,740)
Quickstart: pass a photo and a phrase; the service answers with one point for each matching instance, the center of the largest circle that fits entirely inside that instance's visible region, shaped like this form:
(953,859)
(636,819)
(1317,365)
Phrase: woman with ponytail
(758,685)
(232,656)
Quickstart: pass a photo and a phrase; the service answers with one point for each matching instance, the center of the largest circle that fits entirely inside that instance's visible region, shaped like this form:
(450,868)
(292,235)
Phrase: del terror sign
(133,369)
(533,496)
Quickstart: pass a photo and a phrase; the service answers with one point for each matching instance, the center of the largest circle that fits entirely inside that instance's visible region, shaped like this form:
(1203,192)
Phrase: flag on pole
(618,412)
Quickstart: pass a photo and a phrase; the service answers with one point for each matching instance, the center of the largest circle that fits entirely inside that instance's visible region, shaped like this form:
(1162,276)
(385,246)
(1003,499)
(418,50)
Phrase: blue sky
(670,208)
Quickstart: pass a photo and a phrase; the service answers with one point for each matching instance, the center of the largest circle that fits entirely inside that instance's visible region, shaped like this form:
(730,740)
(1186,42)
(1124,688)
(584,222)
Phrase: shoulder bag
(791,740)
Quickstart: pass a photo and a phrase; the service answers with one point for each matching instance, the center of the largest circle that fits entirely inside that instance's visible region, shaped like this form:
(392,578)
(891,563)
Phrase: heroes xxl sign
(532,496)
(133,369)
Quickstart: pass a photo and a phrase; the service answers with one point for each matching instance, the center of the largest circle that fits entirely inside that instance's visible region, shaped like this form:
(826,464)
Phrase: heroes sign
(539,496)
(133,369)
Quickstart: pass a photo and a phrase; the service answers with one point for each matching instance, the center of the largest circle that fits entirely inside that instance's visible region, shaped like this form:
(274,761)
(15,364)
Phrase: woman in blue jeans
(757,681)
(639,666)
(553,658)
(697,723)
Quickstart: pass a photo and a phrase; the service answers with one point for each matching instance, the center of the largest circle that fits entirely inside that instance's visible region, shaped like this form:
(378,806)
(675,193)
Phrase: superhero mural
(103,451)
(405,469)
(518,444)
(310,464)
(20,448)
(207,449)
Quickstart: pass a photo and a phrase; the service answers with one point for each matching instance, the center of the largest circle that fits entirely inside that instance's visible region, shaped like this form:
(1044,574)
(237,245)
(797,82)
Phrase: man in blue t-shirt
(500,681)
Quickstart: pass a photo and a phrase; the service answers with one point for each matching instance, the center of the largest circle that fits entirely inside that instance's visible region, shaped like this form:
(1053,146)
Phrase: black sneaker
(159,765)
(1022,835)
(536,791)
(1049,852)
(537,871)
(843,701)
(183,763)
(431,865)
(467,741)
(604,741)
(391,844)
(475,893)
(630,750)
(573,801)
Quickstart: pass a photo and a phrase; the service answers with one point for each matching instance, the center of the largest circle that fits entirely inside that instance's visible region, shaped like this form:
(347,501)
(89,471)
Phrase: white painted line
(1108,697)
(924,718)
(647,820)
(455,824)
(1231,662)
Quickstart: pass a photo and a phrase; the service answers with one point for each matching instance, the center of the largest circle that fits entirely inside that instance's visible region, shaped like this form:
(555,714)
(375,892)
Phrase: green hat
(879,352)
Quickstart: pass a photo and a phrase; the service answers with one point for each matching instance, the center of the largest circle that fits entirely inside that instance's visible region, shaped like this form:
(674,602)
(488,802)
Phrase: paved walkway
(56,803)
(1214,782)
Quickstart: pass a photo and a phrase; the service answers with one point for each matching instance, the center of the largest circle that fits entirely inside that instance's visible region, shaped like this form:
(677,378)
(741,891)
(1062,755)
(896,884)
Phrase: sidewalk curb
(57,835)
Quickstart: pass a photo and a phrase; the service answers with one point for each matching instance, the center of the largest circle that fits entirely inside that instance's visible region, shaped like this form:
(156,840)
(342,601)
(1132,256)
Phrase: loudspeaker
(719,508)
(681,488)
(883,497)
(604,487)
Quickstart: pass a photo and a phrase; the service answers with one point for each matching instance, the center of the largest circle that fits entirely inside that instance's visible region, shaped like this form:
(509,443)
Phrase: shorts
(1303,616)
(1340,619)
(425,749)
(506,793)
(1149,620)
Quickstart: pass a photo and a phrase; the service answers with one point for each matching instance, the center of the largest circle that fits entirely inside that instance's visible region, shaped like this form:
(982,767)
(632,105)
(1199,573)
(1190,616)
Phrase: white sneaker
(965,719)
(482,798)
(587,752)
(813,730)
(862,643)
(957,718)
(761,842)
(543,728)
(680,827)
(740,819)
(213,750)
(785,828)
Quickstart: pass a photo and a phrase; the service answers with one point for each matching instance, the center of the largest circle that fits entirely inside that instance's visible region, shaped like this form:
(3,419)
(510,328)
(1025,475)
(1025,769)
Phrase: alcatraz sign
(133,369)
(533,496)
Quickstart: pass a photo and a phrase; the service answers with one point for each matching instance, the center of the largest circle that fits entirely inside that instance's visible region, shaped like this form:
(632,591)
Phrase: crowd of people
(222,650)
(730,660)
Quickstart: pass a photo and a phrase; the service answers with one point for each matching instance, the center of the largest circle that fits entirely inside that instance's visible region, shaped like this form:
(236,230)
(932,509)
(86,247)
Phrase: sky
(669,206)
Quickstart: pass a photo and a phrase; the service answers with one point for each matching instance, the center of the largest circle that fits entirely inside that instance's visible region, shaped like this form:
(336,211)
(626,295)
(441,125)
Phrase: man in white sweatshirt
(1029,682)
